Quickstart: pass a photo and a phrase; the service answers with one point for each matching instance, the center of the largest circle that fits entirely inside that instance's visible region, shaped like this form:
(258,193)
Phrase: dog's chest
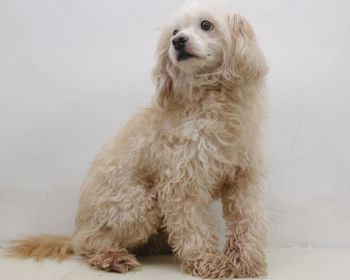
(200,140)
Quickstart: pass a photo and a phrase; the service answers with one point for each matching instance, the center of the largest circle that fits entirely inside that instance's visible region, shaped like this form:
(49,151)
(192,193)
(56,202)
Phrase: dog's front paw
(242,267)
(246,261)
(209,266)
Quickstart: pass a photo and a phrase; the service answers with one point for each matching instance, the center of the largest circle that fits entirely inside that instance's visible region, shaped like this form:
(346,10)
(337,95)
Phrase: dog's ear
(247,61)
(161,76)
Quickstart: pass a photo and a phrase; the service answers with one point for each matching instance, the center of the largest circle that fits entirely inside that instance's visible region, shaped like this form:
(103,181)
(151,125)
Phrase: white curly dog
(148,190)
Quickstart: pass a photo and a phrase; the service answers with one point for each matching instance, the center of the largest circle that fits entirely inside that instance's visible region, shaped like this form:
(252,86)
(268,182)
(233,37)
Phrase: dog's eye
(175,32)
(206,25)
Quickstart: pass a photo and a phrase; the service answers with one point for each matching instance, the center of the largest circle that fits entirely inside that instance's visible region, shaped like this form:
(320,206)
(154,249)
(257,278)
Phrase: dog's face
(204,42)
(196,43)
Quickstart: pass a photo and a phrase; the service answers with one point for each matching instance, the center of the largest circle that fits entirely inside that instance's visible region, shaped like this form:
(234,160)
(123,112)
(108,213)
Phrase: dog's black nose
(180,42)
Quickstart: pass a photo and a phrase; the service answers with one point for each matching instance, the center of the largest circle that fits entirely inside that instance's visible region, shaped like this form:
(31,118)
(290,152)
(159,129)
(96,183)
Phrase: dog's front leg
(191,233)
(244,214)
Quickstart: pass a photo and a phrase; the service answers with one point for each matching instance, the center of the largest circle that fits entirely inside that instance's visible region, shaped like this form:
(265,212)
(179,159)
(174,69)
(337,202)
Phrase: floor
(284,264)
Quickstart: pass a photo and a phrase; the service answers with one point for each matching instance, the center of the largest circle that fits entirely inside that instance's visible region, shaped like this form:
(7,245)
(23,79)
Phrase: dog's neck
(191,90)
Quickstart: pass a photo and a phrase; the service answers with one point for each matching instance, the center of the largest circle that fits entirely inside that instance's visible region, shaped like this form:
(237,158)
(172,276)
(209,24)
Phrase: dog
(201,139)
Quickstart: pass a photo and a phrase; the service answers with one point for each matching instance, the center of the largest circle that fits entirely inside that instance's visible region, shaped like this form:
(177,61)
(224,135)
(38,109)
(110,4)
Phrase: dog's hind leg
(102,251)
(111,224)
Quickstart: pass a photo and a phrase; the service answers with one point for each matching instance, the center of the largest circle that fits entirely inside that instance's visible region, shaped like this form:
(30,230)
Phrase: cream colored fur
(200,140)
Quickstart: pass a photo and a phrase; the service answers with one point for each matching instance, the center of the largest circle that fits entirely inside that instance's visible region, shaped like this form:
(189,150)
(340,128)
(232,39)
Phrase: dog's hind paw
(117,260)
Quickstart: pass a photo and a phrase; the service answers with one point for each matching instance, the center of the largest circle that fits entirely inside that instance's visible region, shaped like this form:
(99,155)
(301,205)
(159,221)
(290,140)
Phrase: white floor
(284,264)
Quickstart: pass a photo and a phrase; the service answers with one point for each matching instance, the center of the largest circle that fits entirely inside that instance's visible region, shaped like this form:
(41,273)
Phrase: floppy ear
(161,76)
(247,61)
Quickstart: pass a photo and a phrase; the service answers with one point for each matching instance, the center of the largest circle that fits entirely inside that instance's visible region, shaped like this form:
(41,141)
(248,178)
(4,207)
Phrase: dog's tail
(43,246)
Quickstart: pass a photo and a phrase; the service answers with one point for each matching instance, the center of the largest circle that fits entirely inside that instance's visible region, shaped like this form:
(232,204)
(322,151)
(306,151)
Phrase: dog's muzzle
(179,44)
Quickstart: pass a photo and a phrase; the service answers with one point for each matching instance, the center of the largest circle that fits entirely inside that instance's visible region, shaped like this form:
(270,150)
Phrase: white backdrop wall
(73,72)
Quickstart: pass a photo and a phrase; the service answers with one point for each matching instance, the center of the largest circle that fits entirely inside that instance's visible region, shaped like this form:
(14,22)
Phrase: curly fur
(200,140)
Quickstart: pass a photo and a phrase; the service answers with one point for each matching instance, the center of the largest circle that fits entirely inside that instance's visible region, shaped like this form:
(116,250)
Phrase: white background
(73,72)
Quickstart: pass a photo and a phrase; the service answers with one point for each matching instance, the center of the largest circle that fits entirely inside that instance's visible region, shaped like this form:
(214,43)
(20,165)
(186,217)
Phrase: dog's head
(204,41)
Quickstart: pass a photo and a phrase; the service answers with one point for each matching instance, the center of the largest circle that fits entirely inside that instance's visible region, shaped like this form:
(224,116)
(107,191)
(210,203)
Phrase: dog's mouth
(182,55)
